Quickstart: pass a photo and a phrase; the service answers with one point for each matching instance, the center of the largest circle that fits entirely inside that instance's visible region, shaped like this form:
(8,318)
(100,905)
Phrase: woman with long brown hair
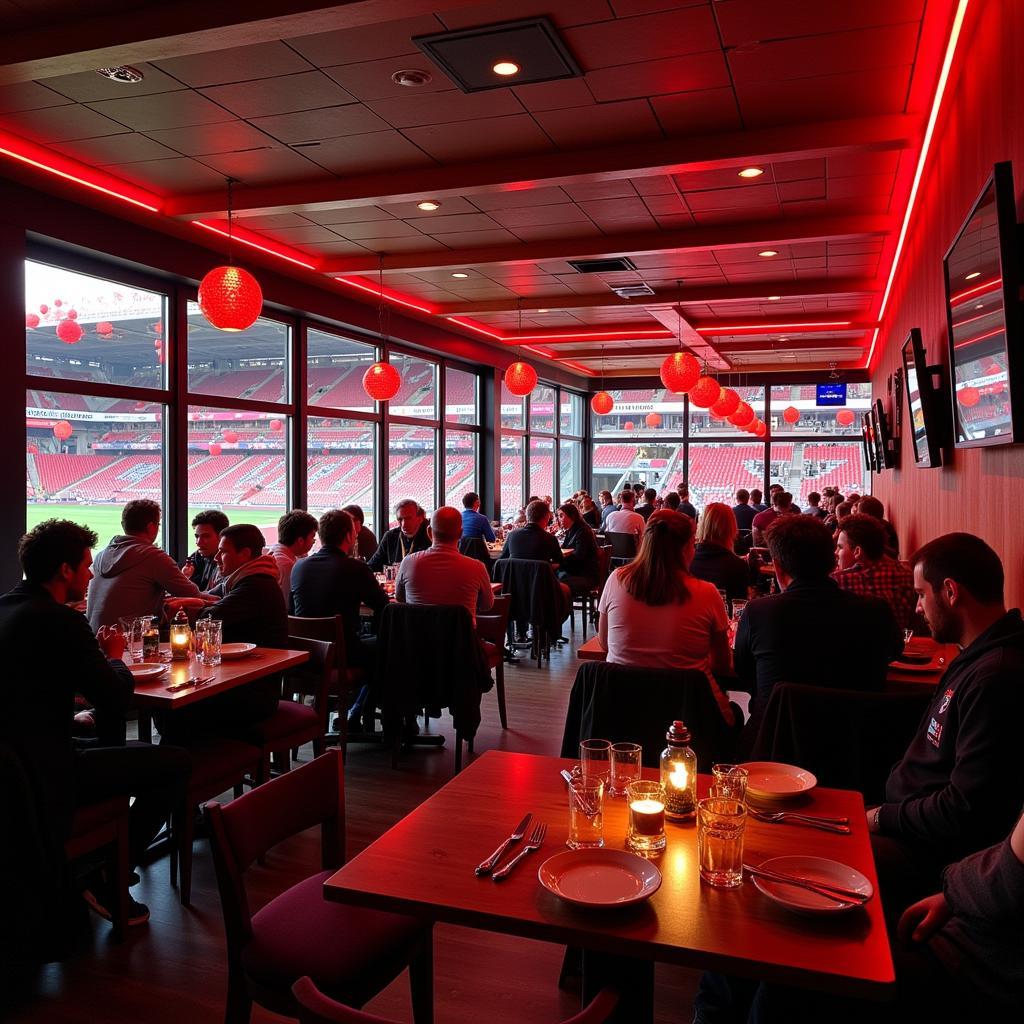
(654,613)
(715,560)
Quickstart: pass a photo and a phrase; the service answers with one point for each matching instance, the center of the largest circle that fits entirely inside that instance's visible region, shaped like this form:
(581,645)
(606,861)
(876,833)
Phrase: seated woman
(581,568)
(714,559)
(655,614)
(590,512)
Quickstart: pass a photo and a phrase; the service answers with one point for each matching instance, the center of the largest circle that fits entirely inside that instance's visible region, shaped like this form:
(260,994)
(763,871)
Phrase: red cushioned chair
(104,824)
(350,952)
(491,628)
(316,1008)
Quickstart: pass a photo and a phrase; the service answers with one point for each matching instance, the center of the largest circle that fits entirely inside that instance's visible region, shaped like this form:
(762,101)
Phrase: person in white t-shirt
(626,519)
(654,614)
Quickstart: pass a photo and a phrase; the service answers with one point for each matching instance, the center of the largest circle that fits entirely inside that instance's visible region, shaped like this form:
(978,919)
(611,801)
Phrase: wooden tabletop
(153,694)
(424,866)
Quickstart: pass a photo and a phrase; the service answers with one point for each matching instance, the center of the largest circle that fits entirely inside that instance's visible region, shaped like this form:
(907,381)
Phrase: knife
(520,830)
(834,892)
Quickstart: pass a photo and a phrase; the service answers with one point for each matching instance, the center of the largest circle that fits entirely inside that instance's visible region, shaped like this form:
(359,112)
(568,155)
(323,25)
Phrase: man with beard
(958,788)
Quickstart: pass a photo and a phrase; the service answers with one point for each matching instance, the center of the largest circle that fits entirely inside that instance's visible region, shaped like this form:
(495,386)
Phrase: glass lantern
(679,774)
(181,637)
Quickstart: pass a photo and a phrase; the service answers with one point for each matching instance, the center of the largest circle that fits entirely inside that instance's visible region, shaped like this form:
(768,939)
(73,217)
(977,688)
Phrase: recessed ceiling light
(505,68)
(774,298)
(980,305)
(124,74)
(971,276)
(751,172)
(428,205)
(459,275)
(768,252)
(411,78)
(543,310)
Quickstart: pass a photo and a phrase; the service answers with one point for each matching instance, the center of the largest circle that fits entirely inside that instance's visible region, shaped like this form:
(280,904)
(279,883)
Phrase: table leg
(145,727)
(634,978)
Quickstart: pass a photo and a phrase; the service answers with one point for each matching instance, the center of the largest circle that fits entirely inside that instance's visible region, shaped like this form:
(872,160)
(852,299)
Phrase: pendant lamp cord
(383,317)
(231,240)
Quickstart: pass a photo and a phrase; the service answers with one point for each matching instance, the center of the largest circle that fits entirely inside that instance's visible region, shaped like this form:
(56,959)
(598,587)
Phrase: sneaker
(101,902)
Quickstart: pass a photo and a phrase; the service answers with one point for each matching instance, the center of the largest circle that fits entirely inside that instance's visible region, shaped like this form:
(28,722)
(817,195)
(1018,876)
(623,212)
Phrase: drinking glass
(738,604)
(132,629)
(625,769)
(720,825)
(908,635)
(646,830)
(391,573)
(209,635)
(595,760)
(586,813)
(730,781)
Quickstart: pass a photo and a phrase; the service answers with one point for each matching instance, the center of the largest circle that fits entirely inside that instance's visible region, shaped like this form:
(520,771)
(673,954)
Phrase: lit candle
(679,776)
(648,817)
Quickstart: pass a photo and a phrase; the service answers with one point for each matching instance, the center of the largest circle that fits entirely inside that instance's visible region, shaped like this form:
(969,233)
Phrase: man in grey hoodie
(131,574)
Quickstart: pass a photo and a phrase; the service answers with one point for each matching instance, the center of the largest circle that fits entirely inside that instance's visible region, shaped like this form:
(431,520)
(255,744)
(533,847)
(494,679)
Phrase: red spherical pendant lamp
(69,332)
(742,416)
(791,414)
(104,329)
(44,309)
(602,403)
(214,448)
(653,419)
(230,298)
(31,321)
(520,378)
(679,372)
(629,425)
(381,382)
(726,405)
(62,430)
(230,436)
(762,429)
(276,426)
(706,392)
(72,314)
(968,397)
(845,417)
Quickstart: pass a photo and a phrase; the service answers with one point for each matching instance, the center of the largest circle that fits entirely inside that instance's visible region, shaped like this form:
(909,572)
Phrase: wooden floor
(173,968)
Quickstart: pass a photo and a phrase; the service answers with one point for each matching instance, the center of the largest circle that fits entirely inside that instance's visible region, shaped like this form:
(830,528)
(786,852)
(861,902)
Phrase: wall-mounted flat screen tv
(871,435)
(865,436)
(884,448)
(924,401)
(984,319)
(830,394)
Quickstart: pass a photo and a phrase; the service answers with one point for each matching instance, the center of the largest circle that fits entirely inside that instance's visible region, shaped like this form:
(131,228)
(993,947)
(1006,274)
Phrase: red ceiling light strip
(515,339)
(940,89)
(579,366)
(246,238)
(978,289)
(389,296)
(761,328)
(470,325)
(980,337)
(43,160)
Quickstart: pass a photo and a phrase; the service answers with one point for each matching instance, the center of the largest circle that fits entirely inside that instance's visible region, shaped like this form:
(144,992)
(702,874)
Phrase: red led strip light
(389,296)
(976,290)
(242,239)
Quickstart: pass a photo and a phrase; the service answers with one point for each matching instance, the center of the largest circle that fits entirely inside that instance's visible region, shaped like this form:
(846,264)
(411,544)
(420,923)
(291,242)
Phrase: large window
(795,410)
(460,466)
(805,466)
(703,423)
(654,463)
(341,463)
(411,465)
(718,470)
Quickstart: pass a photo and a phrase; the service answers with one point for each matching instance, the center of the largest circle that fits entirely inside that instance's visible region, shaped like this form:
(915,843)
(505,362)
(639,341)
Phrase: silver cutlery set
(186,684)
(535,841)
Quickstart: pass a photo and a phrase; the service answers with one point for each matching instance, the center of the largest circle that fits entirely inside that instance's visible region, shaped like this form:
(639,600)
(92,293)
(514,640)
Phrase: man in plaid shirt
(865,568)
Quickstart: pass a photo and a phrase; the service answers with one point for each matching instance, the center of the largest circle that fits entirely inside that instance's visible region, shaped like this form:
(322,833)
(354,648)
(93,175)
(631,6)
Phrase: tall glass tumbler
(720,827)
(586,813)
(625,766)
(596,760)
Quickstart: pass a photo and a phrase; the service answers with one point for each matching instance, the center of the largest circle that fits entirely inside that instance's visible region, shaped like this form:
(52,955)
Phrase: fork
(781,817)
(533,843)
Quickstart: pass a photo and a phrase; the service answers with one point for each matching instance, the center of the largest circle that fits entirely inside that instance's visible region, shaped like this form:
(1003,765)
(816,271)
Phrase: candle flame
(679,776)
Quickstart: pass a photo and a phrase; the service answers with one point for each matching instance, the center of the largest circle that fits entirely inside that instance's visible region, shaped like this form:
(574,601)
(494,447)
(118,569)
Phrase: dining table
(424,866)
(166,692)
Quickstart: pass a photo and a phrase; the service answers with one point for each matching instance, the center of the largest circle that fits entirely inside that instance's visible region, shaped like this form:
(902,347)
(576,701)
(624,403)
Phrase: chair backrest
(247,827)
(328,627)
(476,547)
(623,545)
(316,1008)
(604,562)
(312,679)
(534,590)
(492,625)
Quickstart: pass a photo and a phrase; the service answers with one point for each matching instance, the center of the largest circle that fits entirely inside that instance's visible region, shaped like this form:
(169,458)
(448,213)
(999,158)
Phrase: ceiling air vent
(608,266)
(633,291)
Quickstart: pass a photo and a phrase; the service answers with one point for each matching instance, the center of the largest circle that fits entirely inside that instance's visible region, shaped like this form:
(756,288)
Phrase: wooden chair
(623,546)
(491,628)
(332,629)
(104,825)
(350,952)
(316,1008)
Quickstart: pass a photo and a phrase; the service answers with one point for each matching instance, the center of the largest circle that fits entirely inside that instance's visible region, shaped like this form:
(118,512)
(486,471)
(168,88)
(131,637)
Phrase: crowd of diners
(833,612)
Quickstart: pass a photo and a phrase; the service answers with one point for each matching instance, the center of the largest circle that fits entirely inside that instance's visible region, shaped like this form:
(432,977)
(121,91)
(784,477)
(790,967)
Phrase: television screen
(871,436)
(922,401)
(830,394)
(884,448)
(865,436)
(983,314)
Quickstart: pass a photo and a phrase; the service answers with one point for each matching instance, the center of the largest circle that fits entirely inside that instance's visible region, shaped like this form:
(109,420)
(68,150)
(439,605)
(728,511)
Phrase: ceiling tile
(371,79)
(609,123)
(847,164)
(272,220)
(752,197)
(476,239)
(222,137)
(265,166)
(812,188)
(567,213)
(306,234)
(59,124)
(88,86)
(654,185)
(28,96)
(182,109)
(442,108)
(280,95)
(323,123)
(450,205)
(711,112)
(667,34)
(614,189)
(691,73)
(795,170)
(114,149)
(568,92)
(440,225)
(351,215)
(487,137)
(860,185)
(671,205)
(237,64)
(340,247)
(516,198)
(167,177)
(361,154)
(631,8)
(368,42)
(377,229)
(402,243)
(616,214)
(564,13)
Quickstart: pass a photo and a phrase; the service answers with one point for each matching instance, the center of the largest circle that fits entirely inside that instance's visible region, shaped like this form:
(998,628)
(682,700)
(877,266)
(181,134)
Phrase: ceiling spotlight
(459,274)
(505,68)
(429,205)
(971,276)
(768,252)
(543,310)
(124,74)
(773,298)
(411,78)
(980,305)
(751,172)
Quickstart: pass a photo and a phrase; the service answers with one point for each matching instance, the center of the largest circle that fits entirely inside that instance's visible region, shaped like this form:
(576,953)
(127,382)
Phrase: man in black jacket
(813,632)
(959,786)
(409,535)
(52,654)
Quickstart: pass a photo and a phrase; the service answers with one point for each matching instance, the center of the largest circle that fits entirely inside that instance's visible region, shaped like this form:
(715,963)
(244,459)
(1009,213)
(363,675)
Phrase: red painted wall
(982,121)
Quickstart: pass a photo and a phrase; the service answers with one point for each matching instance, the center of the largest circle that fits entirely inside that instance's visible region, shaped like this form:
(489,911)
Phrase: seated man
(782,505)
(812,632)
(743,510)
(646,507)
(366,542)
(626,519)
(814,506)
(685,505)
(132,574)
(871,506)
(865,568)
(958,788)
(296,535)
(409,535)
(440,575)
(52,654)
(201,566)
(473,523)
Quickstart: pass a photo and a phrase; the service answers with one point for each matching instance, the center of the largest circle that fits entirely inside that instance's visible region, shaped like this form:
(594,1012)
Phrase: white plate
(926,668)
(770,780)
(229,651)
(147,670)
(599,878)
(817,869)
